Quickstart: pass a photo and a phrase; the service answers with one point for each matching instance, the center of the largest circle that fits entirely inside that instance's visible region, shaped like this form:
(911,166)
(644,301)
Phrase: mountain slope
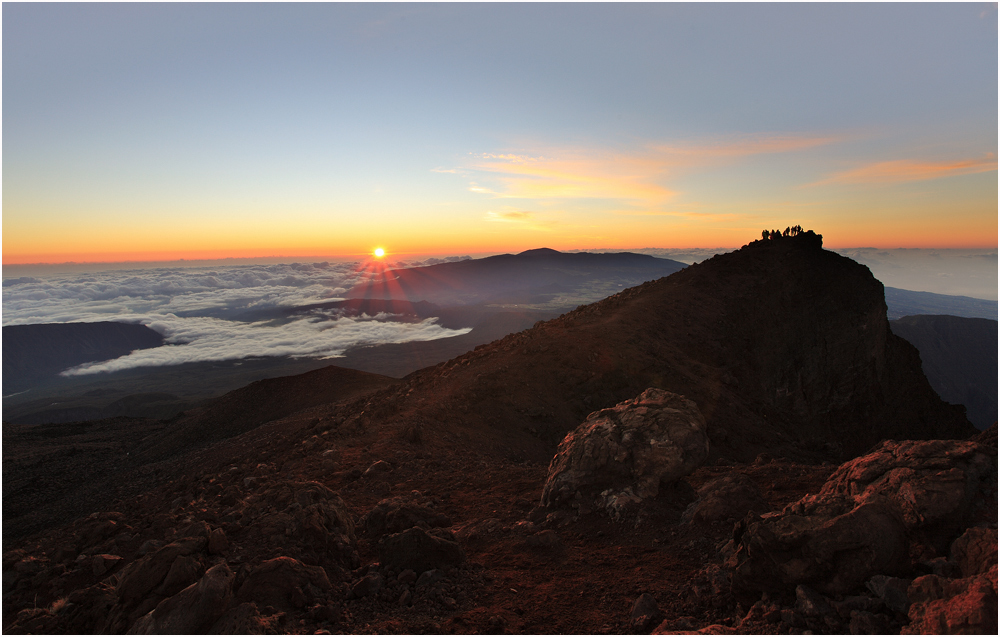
(54,472)
(34,352)
(784,346)
(959,357)
(532,276)
(246,408)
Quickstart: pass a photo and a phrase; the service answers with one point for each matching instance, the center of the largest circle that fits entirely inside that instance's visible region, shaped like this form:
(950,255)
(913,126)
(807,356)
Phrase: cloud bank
(201,339)
(198,309)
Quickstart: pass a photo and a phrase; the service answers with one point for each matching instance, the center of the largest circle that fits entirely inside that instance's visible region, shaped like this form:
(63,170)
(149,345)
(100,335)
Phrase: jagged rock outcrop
(965,606)
(832,544)
(627,451)
(904,499)
(935,485)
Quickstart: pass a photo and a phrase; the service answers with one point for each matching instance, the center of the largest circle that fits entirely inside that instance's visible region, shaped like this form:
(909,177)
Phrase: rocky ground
(311,524)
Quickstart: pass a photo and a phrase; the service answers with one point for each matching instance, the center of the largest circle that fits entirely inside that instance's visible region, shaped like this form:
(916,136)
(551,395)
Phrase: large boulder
(904,500)
(193,610)
(975,551)
(828,543)
(284,583)
(937,486)
(627,452)
(965,606)
(164,572)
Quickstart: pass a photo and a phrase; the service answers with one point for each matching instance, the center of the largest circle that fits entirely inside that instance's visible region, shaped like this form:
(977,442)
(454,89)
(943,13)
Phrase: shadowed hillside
(959,357)
(34,352)
(54,472)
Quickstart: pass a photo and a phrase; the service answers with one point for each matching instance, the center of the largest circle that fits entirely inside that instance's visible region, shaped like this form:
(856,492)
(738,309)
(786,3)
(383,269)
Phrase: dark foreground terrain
(763,455)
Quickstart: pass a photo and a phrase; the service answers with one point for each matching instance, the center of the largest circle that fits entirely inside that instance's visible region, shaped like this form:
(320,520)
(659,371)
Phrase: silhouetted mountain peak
(530,277)
(538,252)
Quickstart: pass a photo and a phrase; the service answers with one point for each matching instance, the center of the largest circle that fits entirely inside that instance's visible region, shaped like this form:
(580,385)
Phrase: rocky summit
(783,346)
(741,447)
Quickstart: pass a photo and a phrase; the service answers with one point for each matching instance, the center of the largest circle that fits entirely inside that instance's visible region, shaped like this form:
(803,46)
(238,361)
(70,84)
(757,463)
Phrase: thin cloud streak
(524,218)
(510,216)
(904,170)
(636,177)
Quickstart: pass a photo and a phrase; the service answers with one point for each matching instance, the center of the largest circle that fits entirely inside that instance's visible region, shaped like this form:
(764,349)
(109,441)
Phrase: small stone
(645,614)
(406,577)
(378,467)
(430,577)
(810,603)
(217,542)
(547,539)
(101,564)
(370,584)
(892,591)
(525,527)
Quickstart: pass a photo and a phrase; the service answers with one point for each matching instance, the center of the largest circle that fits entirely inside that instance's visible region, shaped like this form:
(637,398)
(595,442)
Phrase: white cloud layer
(199,339)
(195,308)
(946,271)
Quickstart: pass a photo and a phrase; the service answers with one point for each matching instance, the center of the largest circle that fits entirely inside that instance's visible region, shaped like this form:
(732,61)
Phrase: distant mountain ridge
(902,303)
(959,357)
(32,352)
(528,277)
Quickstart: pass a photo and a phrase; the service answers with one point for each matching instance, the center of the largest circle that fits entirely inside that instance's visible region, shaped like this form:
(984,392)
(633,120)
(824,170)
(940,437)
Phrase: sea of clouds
(196,309)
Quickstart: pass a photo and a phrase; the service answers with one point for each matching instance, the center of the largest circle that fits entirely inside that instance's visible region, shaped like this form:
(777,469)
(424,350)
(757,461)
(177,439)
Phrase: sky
(141,132)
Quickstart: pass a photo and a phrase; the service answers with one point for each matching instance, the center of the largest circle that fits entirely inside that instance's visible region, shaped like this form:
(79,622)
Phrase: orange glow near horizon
(906,224)
(834,238)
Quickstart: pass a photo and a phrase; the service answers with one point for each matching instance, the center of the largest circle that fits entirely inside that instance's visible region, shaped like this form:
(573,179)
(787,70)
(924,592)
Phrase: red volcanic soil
(585,583)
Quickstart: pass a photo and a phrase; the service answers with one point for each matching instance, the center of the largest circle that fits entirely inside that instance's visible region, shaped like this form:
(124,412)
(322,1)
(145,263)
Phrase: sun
(379,253)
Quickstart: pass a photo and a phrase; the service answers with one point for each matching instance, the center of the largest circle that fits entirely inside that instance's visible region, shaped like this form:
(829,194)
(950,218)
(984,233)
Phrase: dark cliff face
(784,346)
(810,347)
